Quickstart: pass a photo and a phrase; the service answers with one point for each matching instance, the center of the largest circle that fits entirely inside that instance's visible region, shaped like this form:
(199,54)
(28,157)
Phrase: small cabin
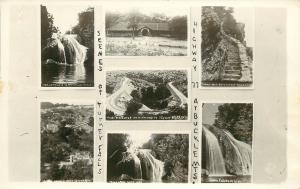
(122,29)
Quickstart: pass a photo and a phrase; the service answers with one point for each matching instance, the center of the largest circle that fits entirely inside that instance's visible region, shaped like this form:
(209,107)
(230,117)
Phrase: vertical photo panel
(67,141)
(227,142)
(67,46)
(227,46)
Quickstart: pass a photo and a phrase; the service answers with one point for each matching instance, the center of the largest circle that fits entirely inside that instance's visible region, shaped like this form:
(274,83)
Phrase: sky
(139,137)
(209,111)
(246,16)
(65,17)
(74,102)
(170,12)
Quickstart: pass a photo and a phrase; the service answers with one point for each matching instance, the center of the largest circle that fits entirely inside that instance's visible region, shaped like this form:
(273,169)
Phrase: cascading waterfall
(75,52)
(61,52)
(243,153)
(156,168)
(215,161)
(137,167)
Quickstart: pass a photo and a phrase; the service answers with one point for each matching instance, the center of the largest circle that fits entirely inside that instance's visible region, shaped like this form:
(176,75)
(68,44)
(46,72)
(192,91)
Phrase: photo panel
(147,95)
(67,46)
(227,131)
(67,141)
(146,31)
(148,157)
(227,46)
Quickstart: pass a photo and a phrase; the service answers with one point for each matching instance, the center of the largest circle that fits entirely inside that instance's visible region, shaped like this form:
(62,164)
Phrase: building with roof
(122,29)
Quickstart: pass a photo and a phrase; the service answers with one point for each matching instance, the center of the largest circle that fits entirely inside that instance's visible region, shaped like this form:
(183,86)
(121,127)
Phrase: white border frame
(88,102)
(251,87)
(39,71)
(253,126)
(149,69)
(150,5)
(153,132)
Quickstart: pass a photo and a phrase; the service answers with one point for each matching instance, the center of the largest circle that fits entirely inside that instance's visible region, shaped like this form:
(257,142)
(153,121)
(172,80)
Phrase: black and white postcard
(147,95)
(227,47)
(67,141)
(143,156)
(146,31)
(67,46)
(227,142)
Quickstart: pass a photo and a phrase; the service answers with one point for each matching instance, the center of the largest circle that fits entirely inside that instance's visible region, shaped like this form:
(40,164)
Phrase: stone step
(232,67)
(233,72)
(233,50)
(233,63)
(231,76)
(230,52)
(230,79)
(234,57)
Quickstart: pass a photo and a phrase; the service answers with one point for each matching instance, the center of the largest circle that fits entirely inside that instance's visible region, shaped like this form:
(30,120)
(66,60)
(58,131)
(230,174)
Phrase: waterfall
(137,167)
(215,161)
(74,51)
(243,153)
(154,168)
(61,52)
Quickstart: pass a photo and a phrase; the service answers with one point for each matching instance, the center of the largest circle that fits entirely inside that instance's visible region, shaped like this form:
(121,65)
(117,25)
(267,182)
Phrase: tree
(159,17)
(109,113)
(116,145)
(47,26)
(46,105)
(91,121)
(134,18)
(162,92)
(55,172)
(173,150)
(111,19)
(135,95)
(237,118)
(132,108)
(211,26)
(85,32)
(178,27)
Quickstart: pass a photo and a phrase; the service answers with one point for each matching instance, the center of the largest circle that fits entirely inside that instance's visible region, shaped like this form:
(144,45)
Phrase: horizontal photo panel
(146,31)
(67,141)
(227,142)
(147,95)
(144,156)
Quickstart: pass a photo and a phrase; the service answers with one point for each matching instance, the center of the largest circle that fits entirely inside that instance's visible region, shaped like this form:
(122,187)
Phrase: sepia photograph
(147,95)
(67,46)
(146,31)
(227,47)
(227,142)
(67,141)
(146,157)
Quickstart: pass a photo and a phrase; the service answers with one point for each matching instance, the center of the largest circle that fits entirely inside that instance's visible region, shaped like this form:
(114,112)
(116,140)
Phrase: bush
(132,108)
(178,27)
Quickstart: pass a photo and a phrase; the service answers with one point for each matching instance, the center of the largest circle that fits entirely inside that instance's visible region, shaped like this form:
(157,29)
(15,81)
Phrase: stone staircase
(237,67)
(232,67)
